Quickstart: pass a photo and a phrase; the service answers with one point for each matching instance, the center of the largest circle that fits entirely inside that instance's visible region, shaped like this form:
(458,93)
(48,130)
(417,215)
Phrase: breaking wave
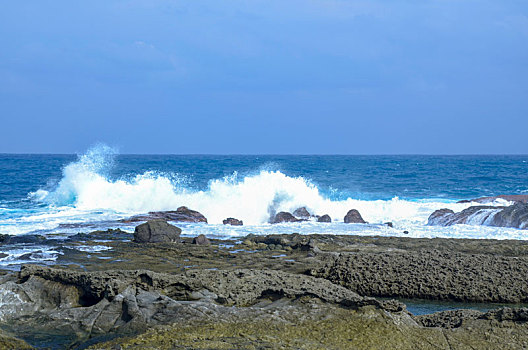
(87,186)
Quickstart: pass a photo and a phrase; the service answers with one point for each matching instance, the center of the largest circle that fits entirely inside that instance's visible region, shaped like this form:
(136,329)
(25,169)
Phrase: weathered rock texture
(431,274)
(515,216)
(182,214)
(156,231)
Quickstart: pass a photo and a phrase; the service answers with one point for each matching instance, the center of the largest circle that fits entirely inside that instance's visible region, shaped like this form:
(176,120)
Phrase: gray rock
(182,214)
(430,274)
(233,222)
(201,240)
(324,218)
(354,217)
(284,216)
(522,198)
(302,213)
(515,216)
(156,231)
(448,319)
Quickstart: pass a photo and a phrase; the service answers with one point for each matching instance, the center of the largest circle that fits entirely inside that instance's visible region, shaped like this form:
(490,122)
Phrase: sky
(265,76)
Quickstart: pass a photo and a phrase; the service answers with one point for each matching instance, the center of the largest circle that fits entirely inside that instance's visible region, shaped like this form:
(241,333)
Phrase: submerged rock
(302,213)
(201,240)
(233,222)
(515,216)
(182,214)
(324,218)
(156,231)
(354,217)
(284,216)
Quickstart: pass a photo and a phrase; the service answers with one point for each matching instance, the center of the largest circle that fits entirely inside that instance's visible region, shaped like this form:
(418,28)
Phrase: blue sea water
(66,194)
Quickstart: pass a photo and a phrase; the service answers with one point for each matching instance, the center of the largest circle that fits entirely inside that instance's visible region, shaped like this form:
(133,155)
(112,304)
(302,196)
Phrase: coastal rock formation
(354,217)
(201,240)
(88,304)
(324,218)
(182,214)
(233,222)
(302,213)
(522,198)
(156,231)
(284,216)
(515,216)
(430,274)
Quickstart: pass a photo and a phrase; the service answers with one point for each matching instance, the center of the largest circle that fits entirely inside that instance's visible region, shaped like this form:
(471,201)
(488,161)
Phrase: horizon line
(280,154)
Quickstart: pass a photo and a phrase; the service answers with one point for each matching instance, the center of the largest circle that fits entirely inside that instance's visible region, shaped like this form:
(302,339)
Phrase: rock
(439,216)
(156,231)
(324,218)
(302,213)
(405,232)
(389,224)
(431,274)
(233,222)
(354,217)
(284,216)
(201,240)
(182,214)
(449,318)
(515,216)
(521,198)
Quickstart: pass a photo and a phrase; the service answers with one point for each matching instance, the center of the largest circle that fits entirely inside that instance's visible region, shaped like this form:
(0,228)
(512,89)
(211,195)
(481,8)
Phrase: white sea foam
(252,198)
(87,194)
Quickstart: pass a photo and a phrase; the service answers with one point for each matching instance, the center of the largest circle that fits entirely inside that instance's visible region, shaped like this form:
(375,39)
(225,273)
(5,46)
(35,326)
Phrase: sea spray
(253,198)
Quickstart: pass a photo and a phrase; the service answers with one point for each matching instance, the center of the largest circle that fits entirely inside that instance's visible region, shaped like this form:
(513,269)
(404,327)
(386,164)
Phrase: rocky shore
(278,291)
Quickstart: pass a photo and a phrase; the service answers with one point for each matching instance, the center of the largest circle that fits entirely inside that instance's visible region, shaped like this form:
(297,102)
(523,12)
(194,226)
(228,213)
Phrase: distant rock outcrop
(284,216)
(515,216)
(522,198)
(156,231)
(233,222)
(302,213)
(354,217)
(182,214)
(324,218)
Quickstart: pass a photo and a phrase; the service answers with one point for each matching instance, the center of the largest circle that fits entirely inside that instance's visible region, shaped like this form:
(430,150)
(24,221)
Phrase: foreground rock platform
(291,291)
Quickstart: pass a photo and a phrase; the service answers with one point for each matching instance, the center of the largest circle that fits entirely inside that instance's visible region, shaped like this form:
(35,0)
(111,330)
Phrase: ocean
(60,195)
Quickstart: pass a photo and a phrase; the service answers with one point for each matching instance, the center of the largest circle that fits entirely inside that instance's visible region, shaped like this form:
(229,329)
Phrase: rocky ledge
(291,291)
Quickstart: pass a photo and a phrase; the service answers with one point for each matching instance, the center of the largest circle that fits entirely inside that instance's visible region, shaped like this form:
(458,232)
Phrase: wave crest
(86,185)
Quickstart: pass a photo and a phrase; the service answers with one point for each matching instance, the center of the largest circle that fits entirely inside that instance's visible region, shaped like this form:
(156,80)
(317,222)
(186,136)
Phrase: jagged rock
(302,213)
(515,216)
(201,240)
(182,214)
(156,231)
(233,222)
(324,218)
(284,216)
(354,217)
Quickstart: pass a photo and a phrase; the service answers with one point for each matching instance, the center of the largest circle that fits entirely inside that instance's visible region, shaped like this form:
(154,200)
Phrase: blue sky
(282,77)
